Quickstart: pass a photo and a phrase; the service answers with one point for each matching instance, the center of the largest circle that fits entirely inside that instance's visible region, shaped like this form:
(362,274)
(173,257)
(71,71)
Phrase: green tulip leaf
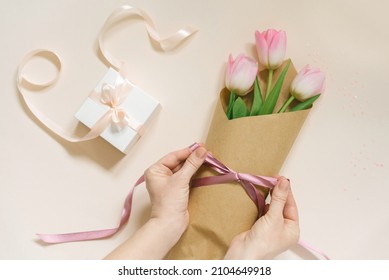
(306,104)
(230,105)
(270,102)
(239,109)
(258,100)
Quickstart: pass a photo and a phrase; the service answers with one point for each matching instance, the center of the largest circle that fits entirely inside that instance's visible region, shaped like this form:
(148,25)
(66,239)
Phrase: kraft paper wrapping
(256,145)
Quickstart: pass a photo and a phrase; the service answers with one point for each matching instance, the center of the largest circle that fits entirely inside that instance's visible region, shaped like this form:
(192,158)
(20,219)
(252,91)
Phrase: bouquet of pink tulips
(258,116)
(242,79)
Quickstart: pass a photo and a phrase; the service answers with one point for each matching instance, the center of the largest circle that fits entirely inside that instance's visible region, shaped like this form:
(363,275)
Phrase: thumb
(193,163)
(279,197)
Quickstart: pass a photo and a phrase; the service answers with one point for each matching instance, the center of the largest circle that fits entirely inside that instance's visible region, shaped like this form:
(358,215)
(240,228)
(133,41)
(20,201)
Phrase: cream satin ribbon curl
(115,114)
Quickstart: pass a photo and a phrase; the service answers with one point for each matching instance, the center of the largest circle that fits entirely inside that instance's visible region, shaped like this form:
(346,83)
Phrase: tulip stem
(269,82)
(286,104)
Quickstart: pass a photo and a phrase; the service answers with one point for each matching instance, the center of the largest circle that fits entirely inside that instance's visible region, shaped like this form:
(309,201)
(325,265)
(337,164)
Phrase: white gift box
(137,105)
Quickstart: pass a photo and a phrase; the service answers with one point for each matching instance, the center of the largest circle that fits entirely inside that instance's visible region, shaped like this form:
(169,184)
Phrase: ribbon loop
(108,95)
(119,117)
(113,96)
(126,11)
(21,79)
(247,181)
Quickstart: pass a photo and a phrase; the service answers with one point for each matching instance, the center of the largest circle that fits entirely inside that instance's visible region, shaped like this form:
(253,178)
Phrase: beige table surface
(338,165)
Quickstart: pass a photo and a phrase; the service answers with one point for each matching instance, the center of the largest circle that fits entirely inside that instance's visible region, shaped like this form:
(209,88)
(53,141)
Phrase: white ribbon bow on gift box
(113,96)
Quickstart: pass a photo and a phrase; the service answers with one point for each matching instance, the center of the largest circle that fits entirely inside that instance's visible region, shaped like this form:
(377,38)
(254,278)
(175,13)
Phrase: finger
(279,197)
(178,167)
(174,159)
(193,163)
(290,209)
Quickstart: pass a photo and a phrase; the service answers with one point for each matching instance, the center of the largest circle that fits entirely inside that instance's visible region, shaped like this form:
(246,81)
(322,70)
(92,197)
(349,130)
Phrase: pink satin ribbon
(115,113)
(95,234)
(309,247)
(247,181)
(226,175)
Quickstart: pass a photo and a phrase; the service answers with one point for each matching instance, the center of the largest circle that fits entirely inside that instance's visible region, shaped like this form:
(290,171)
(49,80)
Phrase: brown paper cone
(256,145)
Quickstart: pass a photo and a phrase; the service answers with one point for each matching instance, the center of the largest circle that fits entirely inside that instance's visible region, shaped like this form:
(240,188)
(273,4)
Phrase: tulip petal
(262,48)
(308,82)
(229,71)
(277,49)
(309,86)
(269,35)
(244,71)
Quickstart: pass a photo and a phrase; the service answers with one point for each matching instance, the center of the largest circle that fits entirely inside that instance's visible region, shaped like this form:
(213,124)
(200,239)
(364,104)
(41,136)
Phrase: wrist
(178,220)
(171,227)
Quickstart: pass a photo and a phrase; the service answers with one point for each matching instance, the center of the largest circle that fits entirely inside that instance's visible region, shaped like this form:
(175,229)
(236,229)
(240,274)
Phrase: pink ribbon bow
(227,175)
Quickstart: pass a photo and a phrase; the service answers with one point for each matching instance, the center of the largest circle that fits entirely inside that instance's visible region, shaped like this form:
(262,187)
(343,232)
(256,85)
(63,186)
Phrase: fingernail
(282,178)
(201,153)
(192,147)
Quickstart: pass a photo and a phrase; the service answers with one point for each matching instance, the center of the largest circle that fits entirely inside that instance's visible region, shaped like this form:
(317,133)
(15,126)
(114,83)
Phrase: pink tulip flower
(309,81)
(240,74)
(271,48)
